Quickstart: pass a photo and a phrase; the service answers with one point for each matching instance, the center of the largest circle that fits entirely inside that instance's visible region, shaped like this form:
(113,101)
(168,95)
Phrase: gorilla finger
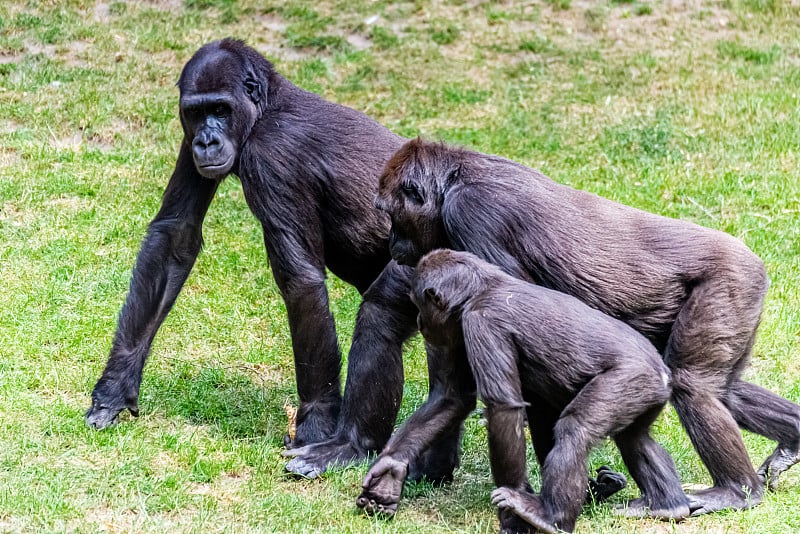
(99,417)
(606,475)
(700,511)
(299,451)
(500,497)
(369,480)
(300,467)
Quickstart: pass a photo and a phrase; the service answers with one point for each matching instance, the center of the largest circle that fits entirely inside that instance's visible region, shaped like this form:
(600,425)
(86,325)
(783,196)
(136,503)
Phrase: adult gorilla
(309,170)
(695,293)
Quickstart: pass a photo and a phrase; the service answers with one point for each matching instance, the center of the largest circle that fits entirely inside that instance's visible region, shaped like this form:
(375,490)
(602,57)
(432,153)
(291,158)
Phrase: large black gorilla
(695,293)
(525,349)
(309,170)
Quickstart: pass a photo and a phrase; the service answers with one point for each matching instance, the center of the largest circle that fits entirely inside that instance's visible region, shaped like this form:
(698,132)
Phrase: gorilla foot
(100,415)
(639,509)
(721,498)
(436,467)
(524,505)
(606,484)
(312,460)
(779,461)
(316,423)
(383,486)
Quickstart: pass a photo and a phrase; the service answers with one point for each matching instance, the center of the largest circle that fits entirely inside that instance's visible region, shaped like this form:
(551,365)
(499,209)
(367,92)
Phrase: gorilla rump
(695,293)
(579,374)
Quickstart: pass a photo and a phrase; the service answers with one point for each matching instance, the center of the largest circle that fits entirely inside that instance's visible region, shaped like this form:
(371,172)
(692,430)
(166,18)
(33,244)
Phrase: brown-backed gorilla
(694,292)
(525,348)
(309,170)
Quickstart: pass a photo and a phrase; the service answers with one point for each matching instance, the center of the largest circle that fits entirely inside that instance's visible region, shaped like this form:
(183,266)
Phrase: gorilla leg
(652,468)
(437,463)
(439,460)
(767,414)
(707,349)
(763,412)
(374,387)
(168,252)
(451,398)
(597,411)
(541,420)
(504,425)
(317,359)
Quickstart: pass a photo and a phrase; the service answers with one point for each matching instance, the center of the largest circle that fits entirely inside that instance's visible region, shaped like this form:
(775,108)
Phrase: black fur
(309,170)
(581,374)
(695,293)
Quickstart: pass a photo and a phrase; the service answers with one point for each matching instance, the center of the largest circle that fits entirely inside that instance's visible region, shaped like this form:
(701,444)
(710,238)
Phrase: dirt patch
(73,141)
(11,214)
(270,43)
(8,126)
(164,462)
(273,23)
(9,158)
(677,21)
(67,203)
(261,374)
(225,489)
(72,54)
(359,42)
(164,5)
(10,58)
(101,12)
(109,520)
(106,136)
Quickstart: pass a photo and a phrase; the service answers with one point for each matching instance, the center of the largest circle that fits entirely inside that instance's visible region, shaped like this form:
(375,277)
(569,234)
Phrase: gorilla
(577,373)
(694,292)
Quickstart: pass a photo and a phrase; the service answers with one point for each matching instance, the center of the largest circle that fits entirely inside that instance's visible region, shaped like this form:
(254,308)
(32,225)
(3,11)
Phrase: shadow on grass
(225,399)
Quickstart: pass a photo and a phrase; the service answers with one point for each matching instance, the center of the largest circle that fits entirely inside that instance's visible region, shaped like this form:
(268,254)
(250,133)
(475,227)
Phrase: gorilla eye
(412,191)
(252,87)
(220,110)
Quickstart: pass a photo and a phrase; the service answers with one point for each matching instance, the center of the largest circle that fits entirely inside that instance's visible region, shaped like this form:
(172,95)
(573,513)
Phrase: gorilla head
(223,92)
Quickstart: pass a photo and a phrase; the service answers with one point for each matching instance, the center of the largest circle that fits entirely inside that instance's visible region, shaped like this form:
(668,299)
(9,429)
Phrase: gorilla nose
(206,143)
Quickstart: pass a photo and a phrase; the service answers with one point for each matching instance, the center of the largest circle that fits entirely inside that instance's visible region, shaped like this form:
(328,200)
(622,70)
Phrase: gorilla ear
(435,298)
(253,89)
(453,175)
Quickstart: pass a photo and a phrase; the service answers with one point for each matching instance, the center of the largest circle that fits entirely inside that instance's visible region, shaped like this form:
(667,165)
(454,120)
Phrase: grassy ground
(688,109)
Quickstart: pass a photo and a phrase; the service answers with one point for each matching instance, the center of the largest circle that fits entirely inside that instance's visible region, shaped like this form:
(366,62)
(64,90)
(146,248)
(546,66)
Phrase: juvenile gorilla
(579,374)
(695,293)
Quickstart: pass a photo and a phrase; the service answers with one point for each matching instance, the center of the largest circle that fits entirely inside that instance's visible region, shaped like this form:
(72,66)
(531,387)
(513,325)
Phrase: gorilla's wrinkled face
(409,194)
(218,107)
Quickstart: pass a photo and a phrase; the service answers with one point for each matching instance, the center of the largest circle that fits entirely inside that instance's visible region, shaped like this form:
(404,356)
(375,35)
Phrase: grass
(690,110)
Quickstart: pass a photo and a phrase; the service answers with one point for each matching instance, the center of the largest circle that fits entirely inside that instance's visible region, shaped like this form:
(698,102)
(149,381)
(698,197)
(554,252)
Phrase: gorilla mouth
(215,170)
(216,166)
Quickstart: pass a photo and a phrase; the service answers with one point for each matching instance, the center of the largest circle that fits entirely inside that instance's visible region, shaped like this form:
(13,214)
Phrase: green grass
(690,112)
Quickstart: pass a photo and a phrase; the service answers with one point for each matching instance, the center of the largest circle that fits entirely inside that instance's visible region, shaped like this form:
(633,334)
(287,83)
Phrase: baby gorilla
(578,374)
